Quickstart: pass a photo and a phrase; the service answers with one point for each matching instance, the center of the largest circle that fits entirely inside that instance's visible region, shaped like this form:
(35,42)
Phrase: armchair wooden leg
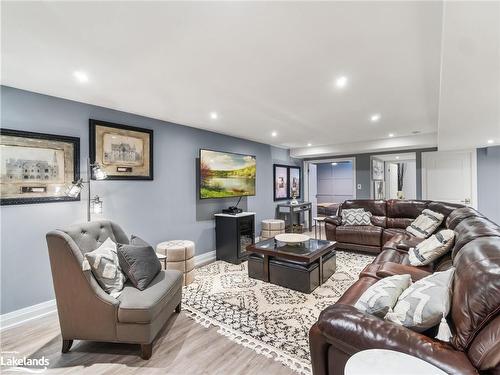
(178,308)
(66,345)
(146,351)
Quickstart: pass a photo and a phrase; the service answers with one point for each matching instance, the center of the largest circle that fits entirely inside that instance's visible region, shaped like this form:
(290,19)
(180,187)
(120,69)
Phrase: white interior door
(449,176)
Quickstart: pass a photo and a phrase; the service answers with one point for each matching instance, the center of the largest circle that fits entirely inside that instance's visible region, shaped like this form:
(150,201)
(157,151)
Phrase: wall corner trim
(24,315)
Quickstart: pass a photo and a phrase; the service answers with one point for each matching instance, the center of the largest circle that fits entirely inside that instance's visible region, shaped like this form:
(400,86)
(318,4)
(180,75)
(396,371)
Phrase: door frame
(330,160)
(473,161)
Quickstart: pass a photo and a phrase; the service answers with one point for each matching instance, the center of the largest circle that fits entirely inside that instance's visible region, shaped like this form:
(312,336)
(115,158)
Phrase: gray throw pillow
(105,267)
(139,263)
(383,295)
(431,248)
(137,241)
(424,303)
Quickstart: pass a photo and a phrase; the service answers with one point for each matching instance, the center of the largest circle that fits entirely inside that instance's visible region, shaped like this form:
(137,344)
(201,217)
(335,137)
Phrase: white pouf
(180,256)
(271,227)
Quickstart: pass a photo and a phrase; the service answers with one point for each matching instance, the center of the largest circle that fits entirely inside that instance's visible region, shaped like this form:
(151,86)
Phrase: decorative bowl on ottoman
(292,238)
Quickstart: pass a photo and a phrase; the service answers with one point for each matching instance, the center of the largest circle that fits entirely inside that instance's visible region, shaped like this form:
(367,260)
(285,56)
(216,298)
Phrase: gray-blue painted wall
(165,208)
(488,182)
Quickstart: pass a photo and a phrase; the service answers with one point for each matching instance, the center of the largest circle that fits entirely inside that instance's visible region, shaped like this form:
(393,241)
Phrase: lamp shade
(99,173)
(74,189)
(96,205)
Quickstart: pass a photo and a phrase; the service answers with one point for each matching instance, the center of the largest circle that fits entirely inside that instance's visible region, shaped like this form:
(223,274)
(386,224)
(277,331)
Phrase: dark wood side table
(288,212)
(233,233)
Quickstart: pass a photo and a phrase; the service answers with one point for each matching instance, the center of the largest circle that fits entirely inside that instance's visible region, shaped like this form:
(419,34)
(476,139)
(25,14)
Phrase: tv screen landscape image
(225,174)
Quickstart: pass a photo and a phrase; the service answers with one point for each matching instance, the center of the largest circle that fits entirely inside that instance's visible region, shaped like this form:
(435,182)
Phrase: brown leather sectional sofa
(342,330)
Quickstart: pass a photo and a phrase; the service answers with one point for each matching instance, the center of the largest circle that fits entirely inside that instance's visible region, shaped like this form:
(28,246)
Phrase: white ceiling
(262,67)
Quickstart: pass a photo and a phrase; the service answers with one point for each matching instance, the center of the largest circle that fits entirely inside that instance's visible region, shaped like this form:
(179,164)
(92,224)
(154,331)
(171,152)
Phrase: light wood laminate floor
(184,347)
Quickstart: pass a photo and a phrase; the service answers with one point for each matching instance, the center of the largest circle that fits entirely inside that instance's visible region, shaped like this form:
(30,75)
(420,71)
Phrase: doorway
(329,183)
(394,176)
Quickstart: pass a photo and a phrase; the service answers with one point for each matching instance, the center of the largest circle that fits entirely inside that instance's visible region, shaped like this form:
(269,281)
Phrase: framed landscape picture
(123,152)
(280,182)
(294,177)
(37,167)
(379,189)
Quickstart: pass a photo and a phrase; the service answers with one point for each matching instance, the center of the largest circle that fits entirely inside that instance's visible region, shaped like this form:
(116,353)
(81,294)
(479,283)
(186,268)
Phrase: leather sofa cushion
(472,228)
(460,214)
(444,208)
(483,352)
(144,306)
(376,207)
(390,233)
(476,290)
(391,255)
(362,235)
(408,209)
(400,222)
(402,241)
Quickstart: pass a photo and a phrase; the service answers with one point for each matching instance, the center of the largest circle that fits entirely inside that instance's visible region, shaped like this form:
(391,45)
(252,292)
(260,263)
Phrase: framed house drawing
(123,152)
(37,167)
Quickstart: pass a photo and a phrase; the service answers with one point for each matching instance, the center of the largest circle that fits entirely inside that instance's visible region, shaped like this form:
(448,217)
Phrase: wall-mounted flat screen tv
(226,174)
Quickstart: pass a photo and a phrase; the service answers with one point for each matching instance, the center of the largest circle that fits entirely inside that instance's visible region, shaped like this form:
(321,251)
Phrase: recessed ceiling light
(274,134)
(341,82)
(80,76)
(214,115)
(397,157)
(490,141)
(334,164)
(375,117)
(391,135)
(309,144)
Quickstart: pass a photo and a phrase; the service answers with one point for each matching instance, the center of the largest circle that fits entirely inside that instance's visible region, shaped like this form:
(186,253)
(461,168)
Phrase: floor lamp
(94,205)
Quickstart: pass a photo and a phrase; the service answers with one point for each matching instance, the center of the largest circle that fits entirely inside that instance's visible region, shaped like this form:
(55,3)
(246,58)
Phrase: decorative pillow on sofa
(383,295)
(424,303)
(139,262)
(431,248)
(105,267)
(425,224)
(356,216)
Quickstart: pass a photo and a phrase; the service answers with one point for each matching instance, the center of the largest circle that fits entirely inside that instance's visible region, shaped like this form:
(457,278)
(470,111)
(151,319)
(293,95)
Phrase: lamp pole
(89,177)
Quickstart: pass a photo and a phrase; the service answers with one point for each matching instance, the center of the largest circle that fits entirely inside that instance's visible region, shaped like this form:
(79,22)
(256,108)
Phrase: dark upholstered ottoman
(293,275)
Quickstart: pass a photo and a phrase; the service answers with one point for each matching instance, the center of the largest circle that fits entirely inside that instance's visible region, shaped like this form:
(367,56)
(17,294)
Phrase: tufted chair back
(89,236)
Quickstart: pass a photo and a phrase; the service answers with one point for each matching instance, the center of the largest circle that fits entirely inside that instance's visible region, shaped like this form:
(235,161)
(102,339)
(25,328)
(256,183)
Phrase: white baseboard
(26,314)
(202,259)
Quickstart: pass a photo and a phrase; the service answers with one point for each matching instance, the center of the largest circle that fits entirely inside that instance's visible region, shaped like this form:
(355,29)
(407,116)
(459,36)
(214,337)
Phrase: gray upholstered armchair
(86,312)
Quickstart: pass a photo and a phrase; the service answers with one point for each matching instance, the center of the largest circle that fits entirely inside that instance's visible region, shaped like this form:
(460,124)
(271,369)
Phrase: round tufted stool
(272,227)
(180,256)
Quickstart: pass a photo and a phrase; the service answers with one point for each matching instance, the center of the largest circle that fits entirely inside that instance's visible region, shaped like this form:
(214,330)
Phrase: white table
(388,362)
(317,225)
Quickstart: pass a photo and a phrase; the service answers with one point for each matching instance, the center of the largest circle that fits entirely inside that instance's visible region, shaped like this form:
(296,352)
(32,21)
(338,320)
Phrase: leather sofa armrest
(334,220)
(350,331)
(403,246)
(390,269)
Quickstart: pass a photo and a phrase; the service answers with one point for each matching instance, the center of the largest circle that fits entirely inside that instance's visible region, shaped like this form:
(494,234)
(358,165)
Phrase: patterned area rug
(272,320)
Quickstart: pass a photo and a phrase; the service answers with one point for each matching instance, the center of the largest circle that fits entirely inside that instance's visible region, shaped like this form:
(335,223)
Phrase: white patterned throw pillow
(383,295)
(105,267)
(424,303)
(356,216)
(432,248)
(425,224)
